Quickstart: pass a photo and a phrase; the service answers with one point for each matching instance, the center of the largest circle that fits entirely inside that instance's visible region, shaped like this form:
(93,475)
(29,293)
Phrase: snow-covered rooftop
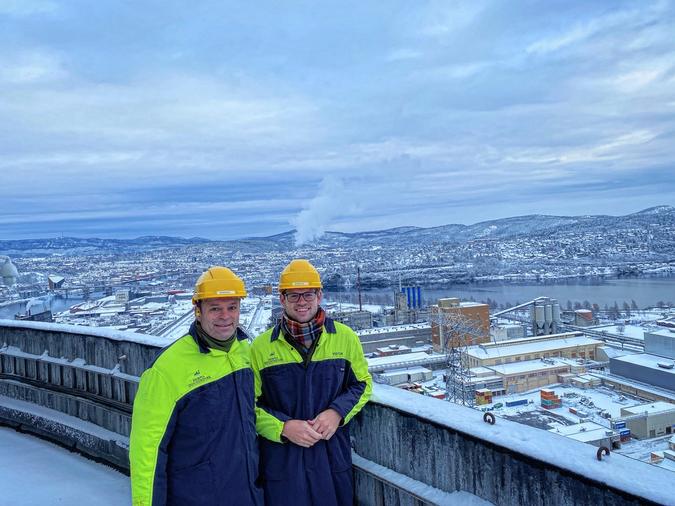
(662,332)
(526,366)
(395,359)
(634,331)
(651,408)
(409,370)
(613,352)
(394,328)
(529,345)
(481,371)
(648,360)
(584,432)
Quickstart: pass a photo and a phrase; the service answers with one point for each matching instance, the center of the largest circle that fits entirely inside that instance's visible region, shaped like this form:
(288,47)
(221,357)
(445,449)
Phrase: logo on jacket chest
(272,359)
(197,378)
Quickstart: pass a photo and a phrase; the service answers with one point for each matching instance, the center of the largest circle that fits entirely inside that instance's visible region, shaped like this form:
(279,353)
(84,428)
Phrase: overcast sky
(225,120)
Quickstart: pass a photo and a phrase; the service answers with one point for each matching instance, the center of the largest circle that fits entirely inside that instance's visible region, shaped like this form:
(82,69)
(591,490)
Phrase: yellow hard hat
(299,274)
(218,282)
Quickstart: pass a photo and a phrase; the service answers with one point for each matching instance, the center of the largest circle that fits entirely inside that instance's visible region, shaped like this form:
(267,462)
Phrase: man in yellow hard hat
(193,437)
(311,378)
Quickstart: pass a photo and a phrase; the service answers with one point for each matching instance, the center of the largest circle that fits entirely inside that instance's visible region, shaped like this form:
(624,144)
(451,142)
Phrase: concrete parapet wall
(446,456)
(84,409)
(131,353)
(88,373)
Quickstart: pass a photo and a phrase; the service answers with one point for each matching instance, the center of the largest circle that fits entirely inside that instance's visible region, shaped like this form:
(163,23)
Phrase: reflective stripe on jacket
(288,387)
(193,439)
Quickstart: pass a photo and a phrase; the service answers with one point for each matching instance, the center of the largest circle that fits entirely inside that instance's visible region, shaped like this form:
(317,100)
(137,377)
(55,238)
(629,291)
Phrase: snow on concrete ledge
(615,470)
(47,414)
(115,335)
(421,490)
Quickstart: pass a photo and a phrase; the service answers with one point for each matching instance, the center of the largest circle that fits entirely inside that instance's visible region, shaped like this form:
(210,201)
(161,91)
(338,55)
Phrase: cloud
(642,77)
(403,54)
(30,67)
(457,72)
(22,8)
(630,20)
(609,149)
(560,41)
(446,18)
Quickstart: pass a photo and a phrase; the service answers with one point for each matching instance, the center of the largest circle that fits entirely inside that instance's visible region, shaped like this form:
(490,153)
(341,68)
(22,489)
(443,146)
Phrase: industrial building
(519,365)
(523,376)
(655,367)
(572,345)
(505,332)
(357,320)
(405,375)
(393,349)
(407,307)
(482,378)
(406,360)
(584,318)
(54,281)
(661,343)
(456,324)
(650,420)
(589,432)
(412,335)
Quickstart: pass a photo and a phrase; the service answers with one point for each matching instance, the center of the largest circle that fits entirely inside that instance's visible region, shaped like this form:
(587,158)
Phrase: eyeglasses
(295,296)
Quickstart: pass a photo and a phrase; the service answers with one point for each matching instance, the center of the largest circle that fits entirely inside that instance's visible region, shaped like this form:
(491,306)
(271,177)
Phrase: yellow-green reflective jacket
(193,439)
(290,387)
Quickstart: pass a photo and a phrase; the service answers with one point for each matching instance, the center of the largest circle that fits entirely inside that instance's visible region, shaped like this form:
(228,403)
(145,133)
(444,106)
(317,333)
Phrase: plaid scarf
(304,333)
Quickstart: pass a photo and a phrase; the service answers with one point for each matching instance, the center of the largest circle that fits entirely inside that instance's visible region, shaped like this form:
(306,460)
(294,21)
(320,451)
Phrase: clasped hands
(306,433)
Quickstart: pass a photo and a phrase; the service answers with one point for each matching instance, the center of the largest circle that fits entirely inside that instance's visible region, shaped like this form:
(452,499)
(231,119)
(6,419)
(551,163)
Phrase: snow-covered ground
(592,400)
(641,450)
(34,472)
(169,320)
(255,315)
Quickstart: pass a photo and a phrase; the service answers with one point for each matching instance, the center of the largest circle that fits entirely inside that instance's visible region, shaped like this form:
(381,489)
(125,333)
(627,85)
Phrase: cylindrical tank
(548,315)
(556,311)
(556,317)
(539,316)
(8,272)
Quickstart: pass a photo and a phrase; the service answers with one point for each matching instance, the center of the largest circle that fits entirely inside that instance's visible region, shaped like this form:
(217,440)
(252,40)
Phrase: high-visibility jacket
(193,438)
(289,386)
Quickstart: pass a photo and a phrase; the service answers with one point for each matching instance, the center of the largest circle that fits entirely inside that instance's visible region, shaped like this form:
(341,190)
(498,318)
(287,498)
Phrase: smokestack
(358,286)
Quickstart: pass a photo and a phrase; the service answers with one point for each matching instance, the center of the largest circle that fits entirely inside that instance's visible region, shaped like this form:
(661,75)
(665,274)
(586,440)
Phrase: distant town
(599,373)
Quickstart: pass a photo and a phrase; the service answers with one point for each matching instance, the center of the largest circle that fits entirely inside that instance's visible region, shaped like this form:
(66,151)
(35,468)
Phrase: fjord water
(646,292)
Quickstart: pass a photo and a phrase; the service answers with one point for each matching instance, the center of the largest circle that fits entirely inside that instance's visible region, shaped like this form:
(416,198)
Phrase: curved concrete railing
(75,385)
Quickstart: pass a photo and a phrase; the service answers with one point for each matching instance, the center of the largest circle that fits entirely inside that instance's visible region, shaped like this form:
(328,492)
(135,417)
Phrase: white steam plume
(312,222)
